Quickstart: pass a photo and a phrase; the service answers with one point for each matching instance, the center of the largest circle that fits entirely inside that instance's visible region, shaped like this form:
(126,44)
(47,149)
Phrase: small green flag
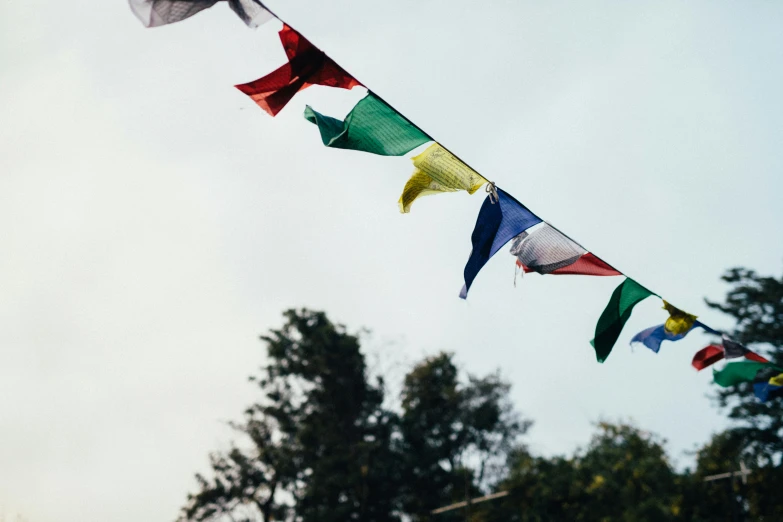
(371,126)
(735,373)
(615,315)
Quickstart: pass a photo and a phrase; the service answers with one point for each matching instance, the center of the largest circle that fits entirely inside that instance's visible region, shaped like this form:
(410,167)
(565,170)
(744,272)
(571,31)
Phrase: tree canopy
(325,441)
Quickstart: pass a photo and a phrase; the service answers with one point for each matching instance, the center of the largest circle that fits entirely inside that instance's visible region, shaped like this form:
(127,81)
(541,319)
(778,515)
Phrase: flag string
(492,192)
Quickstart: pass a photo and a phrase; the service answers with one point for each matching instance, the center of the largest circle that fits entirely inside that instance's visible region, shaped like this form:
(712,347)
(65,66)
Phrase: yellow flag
(437,170)
(777,380)
(679,322)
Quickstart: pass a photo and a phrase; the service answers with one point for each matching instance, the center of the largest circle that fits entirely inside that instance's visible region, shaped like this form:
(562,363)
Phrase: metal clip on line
(492,191)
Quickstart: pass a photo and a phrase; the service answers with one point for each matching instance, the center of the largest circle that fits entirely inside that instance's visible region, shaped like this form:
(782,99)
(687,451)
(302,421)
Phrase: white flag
(154,13)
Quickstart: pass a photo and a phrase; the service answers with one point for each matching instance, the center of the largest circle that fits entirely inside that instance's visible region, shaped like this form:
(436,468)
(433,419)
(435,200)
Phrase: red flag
(307,65)
(588,264)
(707,356)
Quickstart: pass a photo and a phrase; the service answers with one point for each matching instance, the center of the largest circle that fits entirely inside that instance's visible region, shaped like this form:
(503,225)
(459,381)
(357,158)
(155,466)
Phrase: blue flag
(653,337)
(498,223)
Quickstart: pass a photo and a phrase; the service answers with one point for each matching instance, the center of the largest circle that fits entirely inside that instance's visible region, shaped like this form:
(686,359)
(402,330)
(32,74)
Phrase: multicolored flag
(727,350)
(154,13)
(615,315)
(498,222)
(546,250)
(307,65)
(437,171)
(371,126)
(739,372)
(653,337)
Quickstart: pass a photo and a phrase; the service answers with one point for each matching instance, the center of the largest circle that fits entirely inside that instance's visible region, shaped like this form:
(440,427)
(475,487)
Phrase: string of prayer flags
(727,350)
(307,65)
(371,126)
(546,250)
(739,372)
(154,13)
(500,219)
(766,391)
(438,170)
(627,295)
(679,322)
(374,126)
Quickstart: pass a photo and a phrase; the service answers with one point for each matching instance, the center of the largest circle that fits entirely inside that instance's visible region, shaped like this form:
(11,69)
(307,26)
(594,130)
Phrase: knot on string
(492,190)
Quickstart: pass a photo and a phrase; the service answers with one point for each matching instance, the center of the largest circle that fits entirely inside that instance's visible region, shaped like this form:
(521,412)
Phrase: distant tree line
(327,443)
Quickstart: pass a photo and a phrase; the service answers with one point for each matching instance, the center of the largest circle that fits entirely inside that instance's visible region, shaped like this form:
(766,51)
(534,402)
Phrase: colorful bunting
(766,391)
(679,322)
(375,127)
(307,65)
(739,372)
(438,170)
(154,13)
(371,126)
(615,315)
(498,222)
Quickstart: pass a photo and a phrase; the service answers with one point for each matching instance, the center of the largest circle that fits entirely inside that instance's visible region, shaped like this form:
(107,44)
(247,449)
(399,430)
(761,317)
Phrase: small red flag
(708,356)
(307,65)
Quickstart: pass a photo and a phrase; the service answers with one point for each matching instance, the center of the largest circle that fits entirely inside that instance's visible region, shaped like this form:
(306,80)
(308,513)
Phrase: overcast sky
(154,221)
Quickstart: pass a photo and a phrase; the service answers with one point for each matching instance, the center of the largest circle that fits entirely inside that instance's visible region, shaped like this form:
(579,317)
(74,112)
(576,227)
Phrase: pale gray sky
(155,221)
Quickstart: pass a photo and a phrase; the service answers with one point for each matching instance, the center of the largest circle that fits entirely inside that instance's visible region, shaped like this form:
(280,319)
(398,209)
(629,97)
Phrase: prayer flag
(739,372)
(615,315)
(588,264)
(777,380)
(154,13)
(734,350)
(653,337)
(371,126)
(544,249)
(707,356)
(679,322)
(438,170)
(498,222)
(307,65)
(766,391)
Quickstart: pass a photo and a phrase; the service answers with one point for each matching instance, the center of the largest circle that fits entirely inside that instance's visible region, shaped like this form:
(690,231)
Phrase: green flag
(735,373)
(371,126)
(615,315)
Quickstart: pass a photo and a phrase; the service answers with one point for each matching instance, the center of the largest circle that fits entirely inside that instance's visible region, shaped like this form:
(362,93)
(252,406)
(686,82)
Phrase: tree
(756,304)
(320,442)
(319,446)
(447,426)
(622,475)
